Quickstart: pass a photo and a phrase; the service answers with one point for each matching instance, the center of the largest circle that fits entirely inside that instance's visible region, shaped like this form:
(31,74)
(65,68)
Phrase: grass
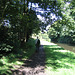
(8,62)
(59,61)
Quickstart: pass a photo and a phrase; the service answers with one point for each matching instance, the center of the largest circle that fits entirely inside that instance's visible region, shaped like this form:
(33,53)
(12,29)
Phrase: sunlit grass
(8,62)
(59,61)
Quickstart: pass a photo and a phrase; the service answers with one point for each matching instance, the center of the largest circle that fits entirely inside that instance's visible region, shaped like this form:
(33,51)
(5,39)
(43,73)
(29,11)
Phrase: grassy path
(58,60)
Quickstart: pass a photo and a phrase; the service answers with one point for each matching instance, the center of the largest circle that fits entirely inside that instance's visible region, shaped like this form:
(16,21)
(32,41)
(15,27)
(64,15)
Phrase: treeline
(62,33)
(63,30)
(18,20)
(17,23)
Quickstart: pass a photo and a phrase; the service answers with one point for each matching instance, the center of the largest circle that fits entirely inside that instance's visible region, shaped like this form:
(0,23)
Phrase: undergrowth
(8,62)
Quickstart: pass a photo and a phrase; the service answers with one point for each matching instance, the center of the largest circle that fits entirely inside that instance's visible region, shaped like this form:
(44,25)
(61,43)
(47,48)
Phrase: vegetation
(44,36)
(63,30)
(59,61)
(18,21)
(7,63)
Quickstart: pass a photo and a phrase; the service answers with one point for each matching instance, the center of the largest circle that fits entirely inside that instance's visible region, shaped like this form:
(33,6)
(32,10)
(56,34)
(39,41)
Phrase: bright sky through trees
(41,11)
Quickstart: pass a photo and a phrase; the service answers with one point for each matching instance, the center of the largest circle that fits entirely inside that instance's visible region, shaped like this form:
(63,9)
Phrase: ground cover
(59,61)
(14,60)
(35,65)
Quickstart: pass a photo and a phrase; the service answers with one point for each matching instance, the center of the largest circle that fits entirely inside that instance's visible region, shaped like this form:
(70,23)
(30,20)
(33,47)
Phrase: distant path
(43,42)
(67,47)
(33,66)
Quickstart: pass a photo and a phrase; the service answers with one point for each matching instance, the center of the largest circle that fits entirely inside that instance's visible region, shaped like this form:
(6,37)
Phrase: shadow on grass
(57,57)
(36,60)
(16,58)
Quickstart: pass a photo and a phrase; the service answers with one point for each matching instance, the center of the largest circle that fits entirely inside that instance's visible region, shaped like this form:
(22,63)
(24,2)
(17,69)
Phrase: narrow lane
(33,66)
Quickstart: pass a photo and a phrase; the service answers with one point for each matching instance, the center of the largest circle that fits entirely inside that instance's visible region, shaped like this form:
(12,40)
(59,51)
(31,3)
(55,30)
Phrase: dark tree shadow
(36,60)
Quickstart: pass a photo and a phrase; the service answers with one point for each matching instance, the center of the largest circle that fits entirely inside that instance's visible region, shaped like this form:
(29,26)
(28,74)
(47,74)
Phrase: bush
(66,39)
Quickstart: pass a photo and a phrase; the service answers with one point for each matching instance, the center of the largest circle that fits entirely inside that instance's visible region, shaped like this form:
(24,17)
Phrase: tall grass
(59,61)
(8,62)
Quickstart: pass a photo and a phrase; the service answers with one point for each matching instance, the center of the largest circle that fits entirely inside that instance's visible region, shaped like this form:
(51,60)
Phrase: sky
(42,11)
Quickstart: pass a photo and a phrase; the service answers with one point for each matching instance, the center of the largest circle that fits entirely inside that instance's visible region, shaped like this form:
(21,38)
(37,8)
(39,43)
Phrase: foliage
(55,31)
(24,22)
(5,48)
(59,61)
(52,34)
(20,25)
(44,36)
(7,63)
(63,30)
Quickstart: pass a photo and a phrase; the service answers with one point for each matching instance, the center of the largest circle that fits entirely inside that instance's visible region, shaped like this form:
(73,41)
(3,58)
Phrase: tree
(23,19)
(23,23)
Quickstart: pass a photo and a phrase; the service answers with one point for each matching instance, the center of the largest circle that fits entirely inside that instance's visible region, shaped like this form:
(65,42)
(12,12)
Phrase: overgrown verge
(8,62)
(59,61)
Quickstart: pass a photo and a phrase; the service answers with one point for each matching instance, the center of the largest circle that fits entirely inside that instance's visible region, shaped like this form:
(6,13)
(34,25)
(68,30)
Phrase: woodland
(18,21)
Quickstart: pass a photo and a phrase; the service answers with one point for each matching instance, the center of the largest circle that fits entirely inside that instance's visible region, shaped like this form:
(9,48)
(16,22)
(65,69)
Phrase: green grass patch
(8,62)
(59,61)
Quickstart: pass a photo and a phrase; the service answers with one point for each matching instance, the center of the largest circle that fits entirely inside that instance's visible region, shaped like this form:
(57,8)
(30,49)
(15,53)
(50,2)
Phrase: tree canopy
(18,19)
(65,28)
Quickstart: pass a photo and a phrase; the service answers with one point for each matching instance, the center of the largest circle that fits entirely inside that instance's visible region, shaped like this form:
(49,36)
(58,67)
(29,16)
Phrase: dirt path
(36,64)
(67,47)
(33,66)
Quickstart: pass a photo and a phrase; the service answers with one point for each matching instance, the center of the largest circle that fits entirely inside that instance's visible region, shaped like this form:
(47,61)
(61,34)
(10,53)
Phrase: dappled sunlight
(15,59)
(34,65)
(60,50)
(49,20)
(59,61)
